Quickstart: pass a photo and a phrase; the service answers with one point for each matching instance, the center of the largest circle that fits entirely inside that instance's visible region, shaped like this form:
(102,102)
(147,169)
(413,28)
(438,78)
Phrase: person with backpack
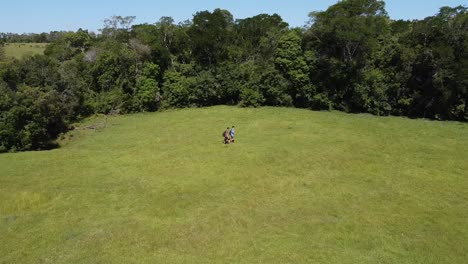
(226,136)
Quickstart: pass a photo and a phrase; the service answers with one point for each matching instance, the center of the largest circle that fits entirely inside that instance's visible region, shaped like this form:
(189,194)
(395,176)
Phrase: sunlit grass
(19,50)
(297,187)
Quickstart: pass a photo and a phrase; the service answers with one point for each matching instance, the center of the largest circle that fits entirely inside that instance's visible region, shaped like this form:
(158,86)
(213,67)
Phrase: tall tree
(439,77)
(118,27)
(344,36)
(292,64)
(210,36)
(258,36)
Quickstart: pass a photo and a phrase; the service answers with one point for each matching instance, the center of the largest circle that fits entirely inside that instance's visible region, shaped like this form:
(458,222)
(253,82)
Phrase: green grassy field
(297,187)
(19,50)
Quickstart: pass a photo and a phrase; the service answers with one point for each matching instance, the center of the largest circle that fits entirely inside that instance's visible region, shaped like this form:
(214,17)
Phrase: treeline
(351,57)
(44,37)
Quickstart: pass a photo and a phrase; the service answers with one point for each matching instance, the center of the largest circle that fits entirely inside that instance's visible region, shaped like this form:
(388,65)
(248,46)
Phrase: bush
(251,97)
(321,102)
(175,89)
(34,121)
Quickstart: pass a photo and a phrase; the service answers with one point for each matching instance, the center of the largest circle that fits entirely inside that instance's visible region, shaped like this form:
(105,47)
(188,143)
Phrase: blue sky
(37,16)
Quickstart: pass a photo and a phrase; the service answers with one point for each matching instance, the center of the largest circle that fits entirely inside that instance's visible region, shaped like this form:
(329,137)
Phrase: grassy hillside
(297,187)
(19,50)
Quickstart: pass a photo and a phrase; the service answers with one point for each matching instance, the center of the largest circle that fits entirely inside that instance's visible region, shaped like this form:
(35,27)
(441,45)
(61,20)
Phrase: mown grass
(297,187)
(19,50)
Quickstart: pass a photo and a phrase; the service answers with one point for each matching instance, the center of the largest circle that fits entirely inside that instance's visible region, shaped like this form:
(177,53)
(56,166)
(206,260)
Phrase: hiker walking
(231,134)
(226,136)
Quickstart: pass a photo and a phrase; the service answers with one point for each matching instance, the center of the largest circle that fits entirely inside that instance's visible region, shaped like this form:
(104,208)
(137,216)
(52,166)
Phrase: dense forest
(351,57)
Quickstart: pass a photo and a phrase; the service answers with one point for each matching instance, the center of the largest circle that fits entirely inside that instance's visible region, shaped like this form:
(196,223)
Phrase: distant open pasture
(19,50)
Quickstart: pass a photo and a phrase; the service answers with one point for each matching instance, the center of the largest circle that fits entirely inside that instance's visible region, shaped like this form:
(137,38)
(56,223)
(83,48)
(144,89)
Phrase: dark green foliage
(146,95)
(257,37)
(210,34)
(39,70)
(115,67)
(251,97)
(291,63)
(275,88)
(74,90)
(69,45)
(344,37)
(440,67)
(176,89)
(2,52)
(370,94)
(351,57)
(33,120)
(321,101)
(113,101)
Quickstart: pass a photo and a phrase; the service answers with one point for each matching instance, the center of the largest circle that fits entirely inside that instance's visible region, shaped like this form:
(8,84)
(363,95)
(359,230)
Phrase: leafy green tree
(251,96)
(210,34)
(250,90)
(33,121)
(437,84)
(115,68)
(274,88)
(350,29)
(39,70)
(205,90)
(69,45)
(176,89)
(147,94)
(370,94)
(152,37)
(230,78)
(2,52)
(74,89)
(7,133)
(112,101)
(10,74)
(344,36)
(292,64)
(118,27)
(257,36)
